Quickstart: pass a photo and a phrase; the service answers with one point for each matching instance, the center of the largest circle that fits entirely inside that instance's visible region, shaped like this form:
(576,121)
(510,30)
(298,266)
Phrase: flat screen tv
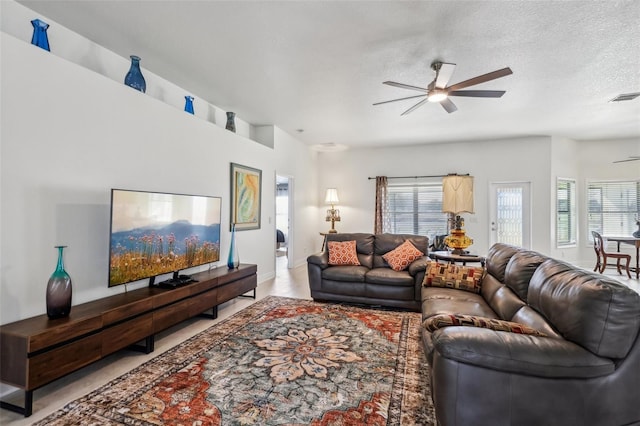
(156,233)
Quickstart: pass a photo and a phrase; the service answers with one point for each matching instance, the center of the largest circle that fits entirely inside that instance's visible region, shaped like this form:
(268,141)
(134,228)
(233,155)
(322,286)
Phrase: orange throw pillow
(343,253)
(402,256)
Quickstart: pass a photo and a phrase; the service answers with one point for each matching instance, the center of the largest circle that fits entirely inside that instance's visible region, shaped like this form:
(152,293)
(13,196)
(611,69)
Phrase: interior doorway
(284,234)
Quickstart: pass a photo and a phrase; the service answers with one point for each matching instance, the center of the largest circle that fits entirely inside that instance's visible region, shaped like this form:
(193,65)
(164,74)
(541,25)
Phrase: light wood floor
(287,283)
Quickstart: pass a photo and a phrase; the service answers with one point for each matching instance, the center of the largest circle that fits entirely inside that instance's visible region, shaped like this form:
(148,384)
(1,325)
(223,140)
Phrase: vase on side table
(59,290)
(233,261)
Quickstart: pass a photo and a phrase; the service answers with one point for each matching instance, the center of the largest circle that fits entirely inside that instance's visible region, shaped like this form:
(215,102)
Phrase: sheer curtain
(381,222)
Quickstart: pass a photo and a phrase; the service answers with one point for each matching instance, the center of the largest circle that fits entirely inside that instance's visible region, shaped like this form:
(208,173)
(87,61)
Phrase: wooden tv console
(36,351)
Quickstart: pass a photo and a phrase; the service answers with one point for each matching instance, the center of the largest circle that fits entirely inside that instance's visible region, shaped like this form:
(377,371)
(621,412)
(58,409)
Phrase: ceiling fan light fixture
(439,90)
(437,95)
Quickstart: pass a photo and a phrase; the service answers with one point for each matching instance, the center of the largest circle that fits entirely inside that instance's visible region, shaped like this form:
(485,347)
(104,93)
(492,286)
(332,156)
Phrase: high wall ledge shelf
(114,67)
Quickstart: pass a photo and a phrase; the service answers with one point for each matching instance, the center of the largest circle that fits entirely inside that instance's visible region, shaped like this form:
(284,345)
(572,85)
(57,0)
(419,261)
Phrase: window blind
(416,209)
(613,207)
(566,223)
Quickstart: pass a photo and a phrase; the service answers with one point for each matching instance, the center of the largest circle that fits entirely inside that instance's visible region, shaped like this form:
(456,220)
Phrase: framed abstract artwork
(246,197)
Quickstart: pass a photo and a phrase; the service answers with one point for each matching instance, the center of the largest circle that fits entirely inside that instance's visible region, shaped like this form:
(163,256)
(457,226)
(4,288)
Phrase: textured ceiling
(319,65)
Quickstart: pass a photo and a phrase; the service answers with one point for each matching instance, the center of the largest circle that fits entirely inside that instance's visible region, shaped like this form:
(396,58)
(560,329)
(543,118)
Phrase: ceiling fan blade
(448,105)
(444,74)
(405,86)
(478,93)
(481,79)
(419,104)
(401,99)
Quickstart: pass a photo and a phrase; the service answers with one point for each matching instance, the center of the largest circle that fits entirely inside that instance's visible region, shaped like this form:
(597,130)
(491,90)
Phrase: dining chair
(599,245)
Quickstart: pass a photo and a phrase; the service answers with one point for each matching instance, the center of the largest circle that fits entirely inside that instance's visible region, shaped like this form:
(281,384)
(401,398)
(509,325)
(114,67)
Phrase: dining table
(634,241)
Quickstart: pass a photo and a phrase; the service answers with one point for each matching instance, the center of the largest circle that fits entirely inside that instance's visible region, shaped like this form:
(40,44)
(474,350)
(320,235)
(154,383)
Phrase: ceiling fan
(631,158)
(438,91)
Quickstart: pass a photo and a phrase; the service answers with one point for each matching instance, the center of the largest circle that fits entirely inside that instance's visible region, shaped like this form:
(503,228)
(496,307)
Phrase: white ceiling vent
(625,97)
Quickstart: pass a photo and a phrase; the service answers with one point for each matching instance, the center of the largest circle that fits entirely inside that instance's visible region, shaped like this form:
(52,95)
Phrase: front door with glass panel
(510,215)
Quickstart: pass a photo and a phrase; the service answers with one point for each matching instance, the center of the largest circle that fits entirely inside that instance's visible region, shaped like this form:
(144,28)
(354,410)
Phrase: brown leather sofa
(585,371)
(373,282)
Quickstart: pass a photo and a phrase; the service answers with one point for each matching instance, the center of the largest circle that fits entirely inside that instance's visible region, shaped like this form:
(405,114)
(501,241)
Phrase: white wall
(304,215)
(582,161)
(64,43)
(520,160)
(539,160)
(596,161)
(564,164)
(68,135)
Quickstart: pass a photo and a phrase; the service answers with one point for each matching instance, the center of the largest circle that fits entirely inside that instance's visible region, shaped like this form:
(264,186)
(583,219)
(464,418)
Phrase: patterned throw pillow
(449,275)
(447,320)
(402,256)
(343,253)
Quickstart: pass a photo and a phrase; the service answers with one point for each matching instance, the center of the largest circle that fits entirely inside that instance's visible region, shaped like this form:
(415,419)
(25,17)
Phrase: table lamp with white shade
(457,197)
(333,214)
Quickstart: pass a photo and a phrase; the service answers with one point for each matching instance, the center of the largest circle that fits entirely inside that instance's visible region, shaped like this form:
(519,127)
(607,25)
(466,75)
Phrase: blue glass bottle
(233,261)
(40,37)
(134,77)
(188,104)
(59,290)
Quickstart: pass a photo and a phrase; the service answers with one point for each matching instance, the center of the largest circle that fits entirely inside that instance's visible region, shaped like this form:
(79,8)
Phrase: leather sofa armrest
(418,265)
(320,259)
(519,353)
(316,263)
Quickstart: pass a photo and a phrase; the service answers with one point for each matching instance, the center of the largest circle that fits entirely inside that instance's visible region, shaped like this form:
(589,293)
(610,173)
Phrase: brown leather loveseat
(574,358)
(373,282)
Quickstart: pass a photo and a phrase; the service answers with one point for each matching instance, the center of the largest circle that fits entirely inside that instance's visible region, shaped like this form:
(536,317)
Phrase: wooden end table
(458,258)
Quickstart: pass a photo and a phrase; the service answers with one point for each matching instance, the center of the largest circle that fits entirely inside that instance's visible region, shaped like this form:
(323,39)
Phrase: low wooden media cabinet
(36,351)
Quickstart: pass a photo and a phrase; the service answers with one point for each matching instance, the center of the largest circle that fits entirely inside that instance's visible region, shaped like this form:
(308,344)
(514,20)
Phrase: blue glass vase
(188,104)
(59,290)
(39,37)
(134,77)
(233,261)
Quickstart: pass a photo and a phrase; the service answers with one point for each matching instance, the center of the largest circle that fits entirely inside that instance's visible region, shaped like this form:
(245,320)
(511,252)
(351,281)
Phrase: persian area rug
(280,361)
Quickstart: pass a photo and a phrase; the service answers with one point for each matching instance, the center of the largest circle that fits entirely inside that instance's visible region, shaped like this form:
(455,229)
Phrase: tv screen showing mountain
(157,233)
